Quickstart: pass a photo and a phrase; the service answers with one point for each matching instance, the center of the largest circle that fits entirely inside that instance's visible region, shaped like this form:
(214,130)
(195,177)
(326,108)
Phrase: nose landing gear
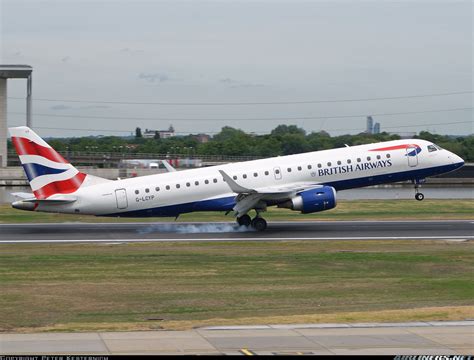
(418,195)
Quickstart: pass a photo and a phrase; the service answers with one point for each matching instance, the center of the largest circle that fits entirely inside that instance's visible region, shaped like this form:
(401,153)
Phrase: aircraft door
(277,173)
(412,155)
(121,197)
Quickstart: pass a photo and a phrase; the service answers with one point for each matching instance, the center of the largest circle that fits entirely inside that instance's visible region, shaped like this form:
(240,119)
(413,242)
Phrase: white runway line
(203,239)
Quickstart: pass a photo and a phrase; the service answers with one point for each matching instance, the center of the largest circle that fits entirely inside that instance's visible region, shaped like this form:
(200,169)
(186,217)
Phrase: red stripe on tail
(25,146)
(60,187)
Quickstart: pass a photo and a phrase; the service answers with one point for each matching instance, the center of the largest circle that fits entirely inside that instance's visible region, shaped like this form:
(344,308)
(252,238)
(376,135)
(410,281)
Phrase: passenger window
(244,176)
(358,160)
(277,171)
(215,180)
(267,173)
(339,163)
(206,181)
(147,190)
(196,183)
(431,148)
(319,165)
(300,168)
(378,157)
(349,161)
(289,169)
(188,184)
(329,163)
(167,187)
(255,174)
(137,192)
(157,188)
(309,167)
(234,177)
(178,186)
(388,156)
(368,158)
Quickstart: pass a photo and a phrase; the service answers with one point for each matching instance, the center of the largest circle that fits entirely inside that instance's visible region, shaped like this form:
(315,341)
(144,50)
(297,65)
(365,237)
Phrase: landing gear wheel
(259,224)
(244,220)
(419,196)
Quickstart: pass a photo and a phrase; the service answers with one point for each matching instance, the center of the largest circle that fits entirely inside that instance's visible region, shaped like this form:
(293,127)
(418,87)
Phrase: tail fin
(47,171)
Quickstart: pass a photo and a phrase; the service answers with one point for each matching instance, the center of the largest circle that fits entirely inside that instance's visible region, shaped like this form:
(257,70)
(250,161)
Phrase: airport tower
(12,72)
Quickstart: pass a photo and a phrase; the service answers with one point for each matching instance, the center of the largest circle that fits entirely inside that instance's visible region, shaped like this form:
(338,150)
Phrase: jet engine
(314,200)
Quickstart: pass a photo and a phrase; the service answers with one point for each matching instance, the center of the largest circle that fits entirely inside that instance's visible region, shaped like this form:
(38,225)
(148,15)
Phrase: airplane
(306,182)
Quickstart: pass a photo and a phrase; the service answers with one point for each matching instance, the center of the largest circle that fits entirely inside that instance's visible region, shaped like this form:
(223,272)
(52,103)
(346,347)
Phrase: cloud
(95,107)
(239,84)
(60,107)
(153,77)
(131,51)
(228,81)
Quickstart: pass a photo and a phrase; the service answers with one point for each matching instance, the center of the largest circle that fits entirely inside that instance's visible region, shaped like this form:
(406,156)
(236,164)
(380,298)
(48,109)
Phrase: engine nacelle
(314,200)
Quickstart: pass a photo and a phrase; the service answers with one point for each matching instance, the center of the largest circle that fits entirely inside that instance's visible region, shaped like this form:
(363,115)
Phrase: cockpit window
(432,148)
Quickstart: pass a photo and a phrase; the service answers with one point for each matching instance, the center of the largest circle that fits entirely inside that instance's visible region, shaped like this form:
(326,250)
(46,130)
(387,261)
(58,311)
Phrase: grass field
(345,210)
(74,287)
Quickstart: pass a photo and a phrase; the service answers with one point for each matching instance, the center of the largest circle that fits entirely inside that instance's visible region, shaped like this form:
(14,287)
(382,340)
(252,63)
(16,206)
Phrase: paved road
(423,338)
(277,231)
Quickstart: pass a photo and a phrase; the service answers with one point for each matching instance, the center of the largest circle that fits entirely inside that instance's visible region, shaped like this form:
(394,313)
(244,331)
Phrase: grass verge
(79,287)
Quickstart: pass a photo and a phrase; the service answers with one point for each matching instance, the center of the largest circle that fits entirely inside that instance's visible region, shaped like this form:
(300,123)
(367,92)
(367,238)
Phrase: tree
(281,130)
(138,132)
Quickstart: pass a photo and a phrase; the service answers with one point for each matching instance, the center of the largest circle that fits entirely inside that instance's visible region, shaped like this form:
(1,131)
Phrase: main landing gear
(258,223)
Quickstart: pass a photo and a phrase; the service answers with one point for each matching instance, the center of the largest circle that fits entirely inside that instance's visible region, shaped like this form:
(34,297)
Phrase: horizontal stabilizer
(58,200)
(22,195)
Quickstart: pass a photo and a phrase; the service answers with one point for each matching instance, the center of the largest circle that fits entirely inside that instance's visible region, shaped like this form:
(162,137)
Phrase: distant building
(376,128)
(202,138)
(370,125)
(162,134)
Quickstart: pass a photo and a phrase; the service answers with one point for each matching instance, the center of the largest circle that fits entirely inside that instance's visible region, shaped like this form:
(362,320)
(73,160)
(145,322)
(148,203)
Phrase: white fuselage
(169,194)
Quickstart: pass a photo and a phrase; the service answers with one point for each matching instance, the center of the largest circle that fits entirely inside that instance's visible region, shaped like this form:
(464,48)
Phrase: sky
(105,53)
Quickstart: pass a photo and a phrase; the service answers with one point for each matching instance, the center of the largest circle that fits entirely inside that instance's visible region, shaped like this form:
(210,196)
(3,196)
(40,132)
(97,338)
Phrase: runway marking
(230,239)
(315,222)
(247,352)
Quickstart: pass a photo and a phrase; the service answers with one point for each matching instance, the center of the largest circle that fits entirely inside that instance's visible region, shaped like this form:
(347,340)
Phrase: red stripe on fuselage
(397,147)
(60,187)
(25,146)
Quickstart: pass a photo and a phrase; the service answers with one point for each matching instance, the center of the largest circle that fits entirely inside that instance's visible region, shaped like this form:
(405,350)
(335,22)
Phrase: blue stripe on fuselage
(227,203)
(33,170)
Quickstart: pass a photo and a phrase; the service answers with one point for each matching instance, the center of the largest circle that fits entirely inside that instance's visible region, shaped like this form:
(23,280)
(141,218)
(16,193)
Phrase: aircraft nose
(455,159)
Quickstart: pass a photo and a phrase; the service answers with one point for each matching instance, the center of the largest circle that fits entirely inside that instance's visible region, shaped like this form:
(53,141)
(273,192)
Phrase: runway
(456,230)
(420,338)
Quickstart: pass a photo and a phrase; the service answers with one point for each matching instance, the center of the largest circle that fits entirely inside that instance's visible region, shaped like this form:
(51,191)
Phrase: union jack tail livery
(47,171)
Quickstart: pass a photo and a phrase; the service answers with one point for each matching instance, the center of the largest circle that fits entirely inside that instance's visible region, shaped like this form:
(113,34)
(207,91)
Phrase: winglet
(233,185)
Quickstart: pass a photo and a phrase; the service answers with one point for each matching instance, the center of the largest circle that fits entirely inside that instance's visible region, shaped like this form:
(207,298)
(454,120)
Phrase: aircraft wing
(248,199)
